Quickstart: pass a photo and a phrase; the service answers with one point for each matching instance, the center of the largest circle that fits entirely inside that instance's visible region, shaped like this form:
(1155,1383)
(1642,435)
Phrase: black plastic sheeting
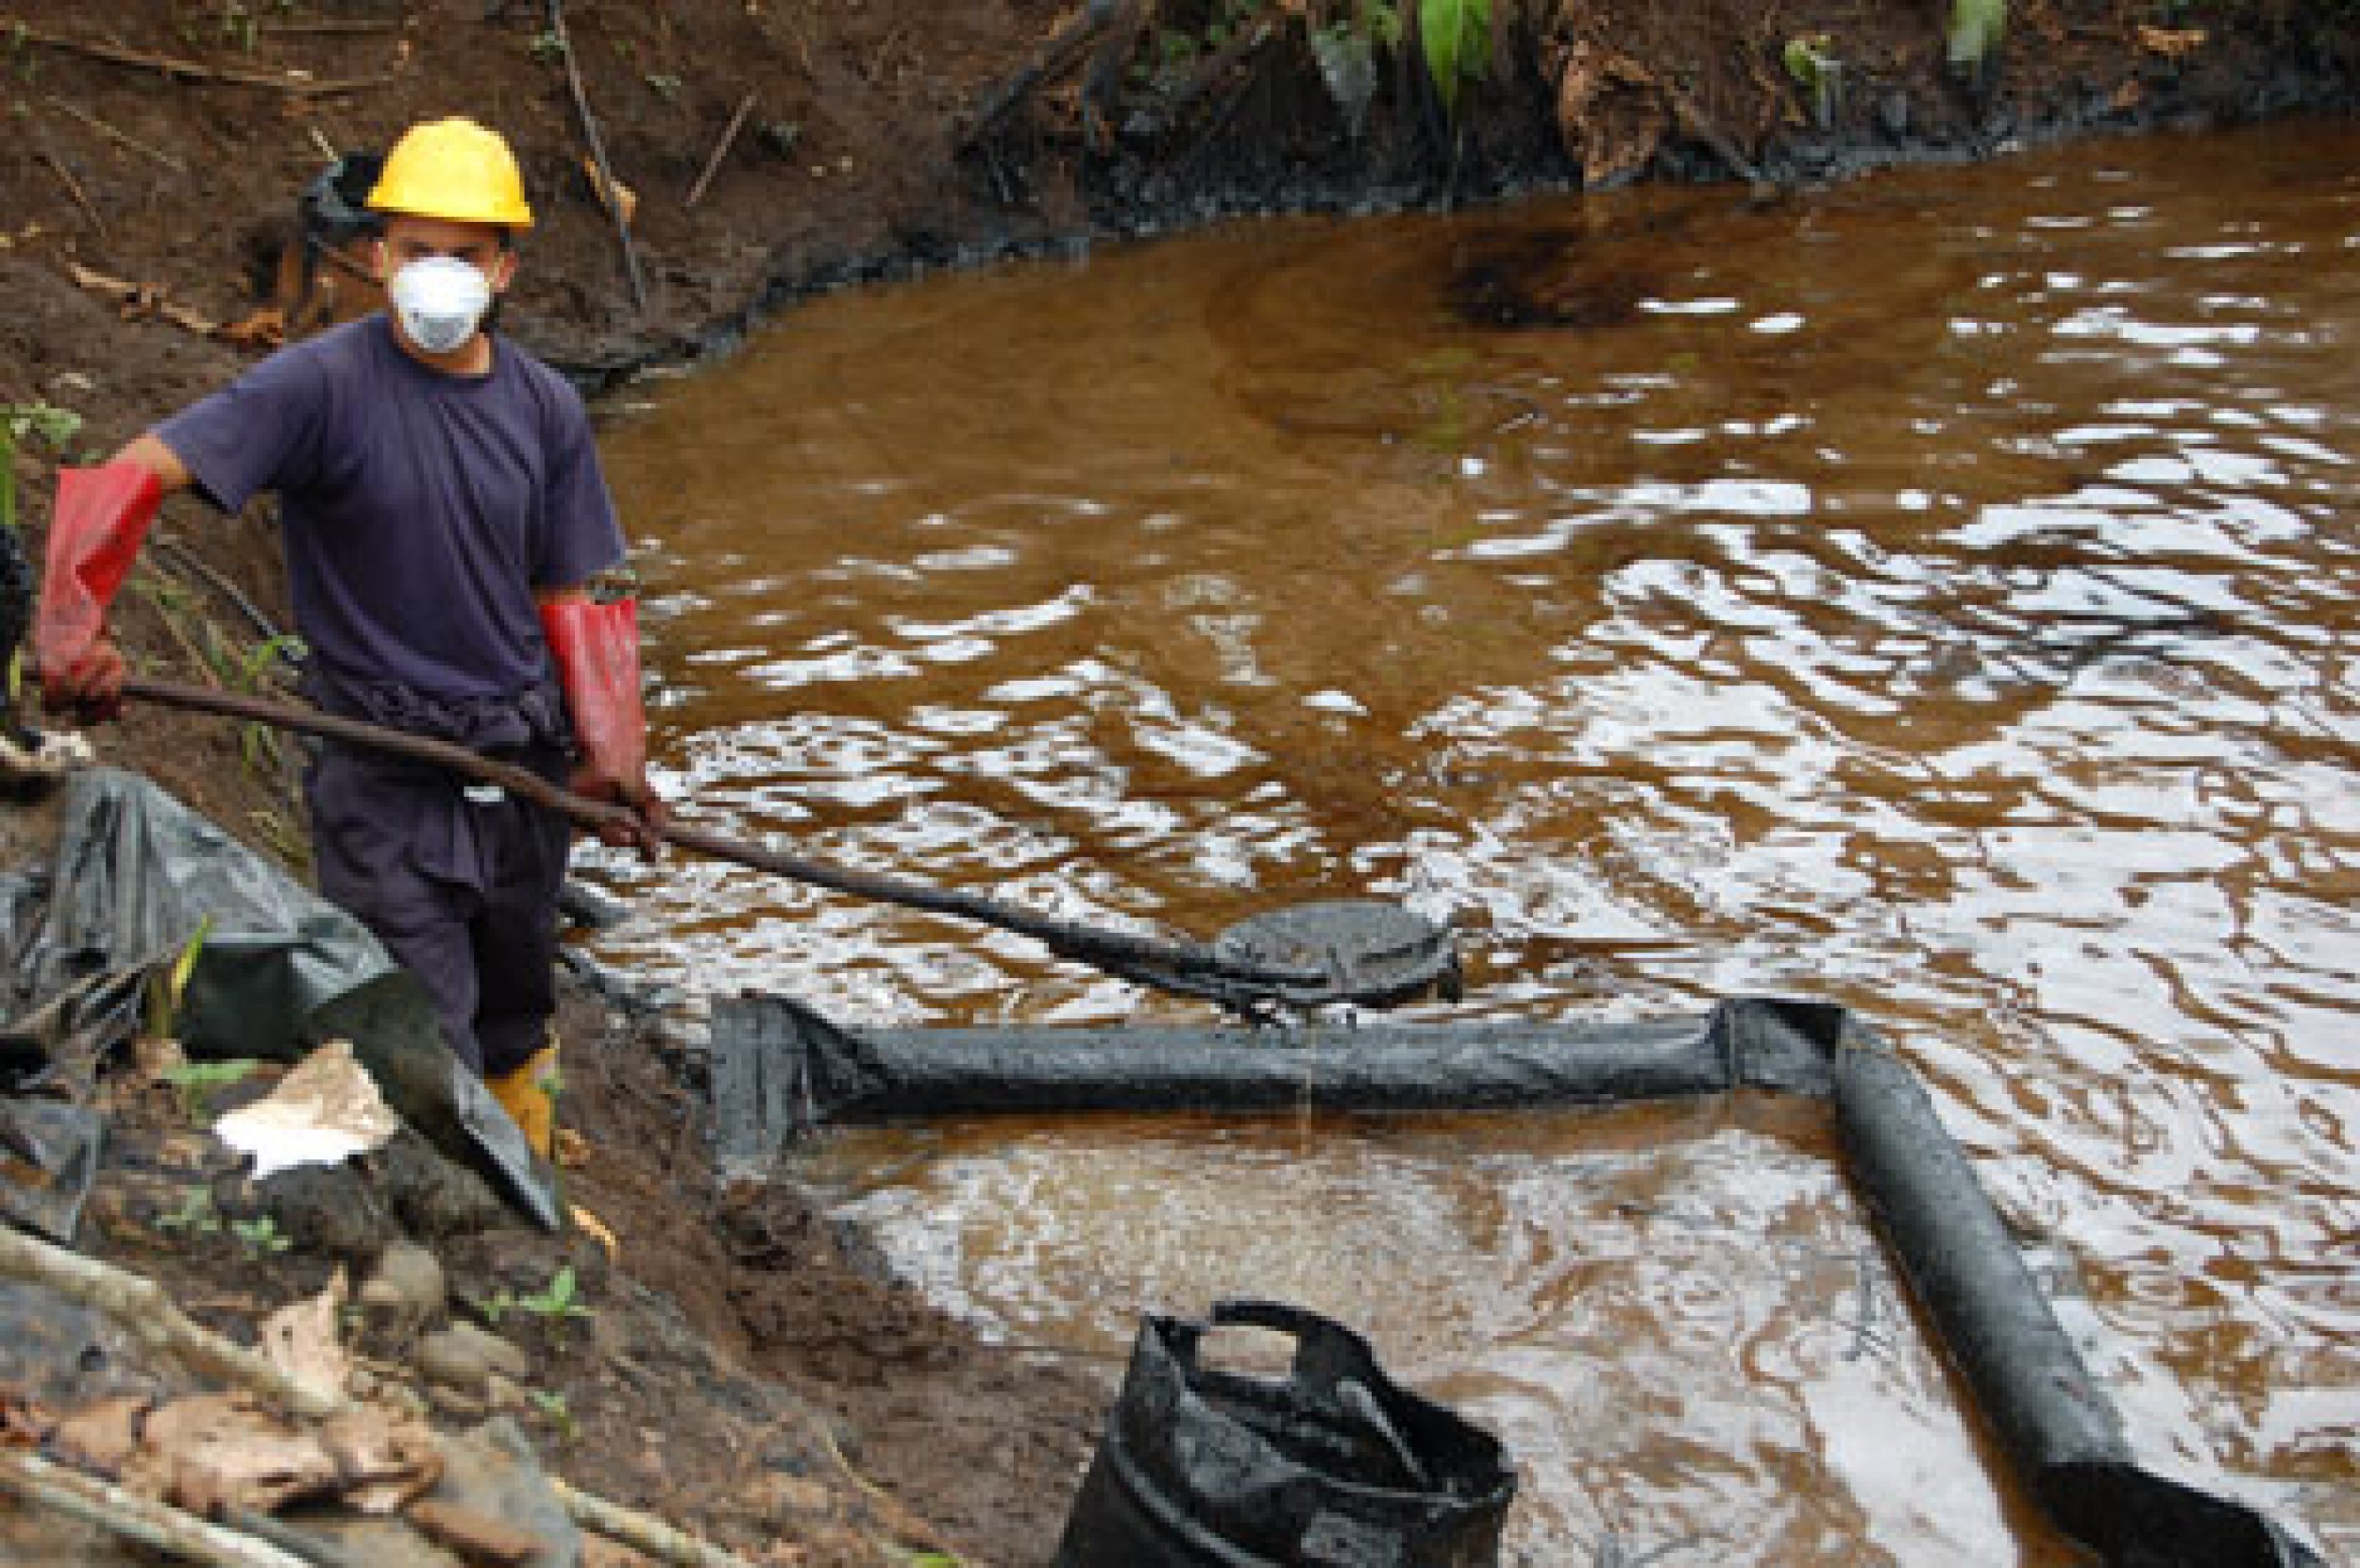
(1337,1466)
(48,1159)
(779,1069)
(136,876)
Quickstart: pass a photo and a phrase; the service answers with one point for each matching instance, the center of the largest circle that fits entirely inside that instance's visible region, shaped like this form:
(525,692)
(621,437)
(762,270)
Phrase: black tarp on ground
(135,877)
(778,1067)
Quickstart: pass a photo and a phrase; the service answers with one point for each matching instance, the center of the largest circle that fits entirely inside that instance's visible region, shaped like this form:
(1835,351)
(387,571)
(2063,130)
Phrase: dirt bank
(161,142)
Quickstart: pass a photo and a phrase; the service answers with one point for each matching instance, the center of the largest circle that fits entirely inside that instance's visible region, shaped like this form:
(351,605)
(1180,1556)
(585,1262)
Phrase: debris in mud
(323,1112)
(1611,113)
(140,301)
(583,1358)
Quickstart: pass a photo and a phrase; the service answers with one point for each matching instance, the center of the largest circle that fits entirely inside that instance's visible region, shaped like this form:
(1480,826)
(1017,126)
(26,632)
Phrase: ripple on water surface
(1932,594)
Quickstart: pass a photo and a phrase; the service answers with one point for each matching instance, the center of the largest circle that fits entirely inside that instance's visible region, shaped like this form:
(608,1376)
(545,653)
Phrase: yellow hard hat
(456,170)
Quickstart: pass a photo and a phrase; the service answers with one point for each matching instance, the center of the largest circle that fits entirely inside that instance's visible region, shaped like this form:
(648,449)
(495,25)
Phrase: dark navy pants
(460,881)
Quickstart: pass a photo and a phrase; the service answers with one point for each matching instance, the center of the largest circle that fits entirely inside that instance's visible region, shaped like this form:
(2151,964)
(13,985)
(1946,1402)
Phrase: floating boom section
(781,1070)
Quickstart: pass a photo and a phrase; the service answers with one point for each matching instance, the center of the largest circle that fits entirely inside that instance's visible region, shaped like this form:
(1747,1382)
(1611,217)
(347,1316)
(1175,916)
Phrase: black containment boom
(779,1069)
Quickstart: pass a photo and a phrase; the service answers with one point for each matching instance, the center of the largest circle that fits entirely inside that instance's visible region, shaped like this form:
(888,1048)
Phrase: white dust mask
(441,301)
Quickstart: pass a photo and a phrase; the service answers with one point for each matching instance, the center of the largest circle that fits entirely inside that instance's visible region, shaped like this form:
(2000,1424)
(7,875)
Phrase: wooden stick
(74,189)
(356,27)
(140,297)
(187,70)
(141,1305)
(1063,48)
(175,1532)
(641,1532)
(118,137)
(598,153)
(720,150)
(1693,117)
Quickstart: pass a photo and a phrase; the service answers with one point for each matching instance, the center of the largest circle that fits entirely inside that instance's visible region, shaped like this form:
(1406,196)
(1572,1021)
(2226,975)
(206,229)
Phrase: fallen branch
(175,1532)
(120,138)
(74,189)
(720,149)
(356,27)
(145,297)
(1694,118)
(1063,48)
(597,151)
(642,1533)
(180,70)
(140,1306)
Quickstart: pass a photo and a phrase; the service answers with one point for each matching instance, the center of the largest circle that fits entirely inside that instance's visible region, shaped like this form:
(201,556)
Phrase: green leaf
(1976,28)
(1457,37)
(185,966)
(52,425)
(1811,61)
(196,1083)
(1803,59)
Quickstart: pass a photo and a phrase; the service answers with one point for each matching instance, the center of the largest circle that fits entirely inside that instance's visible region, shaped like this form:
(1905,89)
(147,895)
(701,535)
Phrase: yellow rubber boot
(529,1094)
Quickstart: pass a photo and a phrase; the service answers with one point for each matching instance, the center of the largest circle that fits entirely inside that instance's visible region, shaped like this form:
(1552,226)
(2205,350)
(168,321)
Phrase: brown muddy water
(1936,594)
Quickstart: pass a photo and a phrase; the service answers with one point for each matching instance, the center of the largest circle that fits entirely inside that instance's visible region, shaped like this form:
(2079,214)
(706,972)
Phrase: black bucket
(1335,1467)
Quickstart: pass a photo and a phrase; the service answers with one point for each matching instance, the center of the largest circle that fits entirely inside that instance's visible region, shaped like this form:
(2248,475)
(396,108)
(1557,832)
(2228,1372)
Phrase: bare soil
(162,144)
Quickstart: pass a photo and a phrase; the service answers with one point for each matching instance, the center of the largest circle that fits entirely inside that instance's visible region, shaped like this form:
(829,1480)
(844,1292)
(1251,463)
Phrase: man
(443,513)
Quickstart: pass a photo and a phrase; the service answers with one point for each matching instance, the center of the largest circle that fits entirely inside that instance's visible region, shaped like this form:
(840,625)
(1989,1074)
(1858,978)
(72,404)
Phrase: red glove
(102,517)
(596,648)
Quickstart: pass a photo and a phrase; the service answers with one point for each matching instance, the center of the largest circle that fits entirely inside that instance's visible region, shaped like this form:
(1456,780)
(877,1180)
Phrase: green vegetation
(196,1083)
(19,423)
(1811,59)
(1976,28)
(166,989)
(195,1214)
(553,1409)
(22,422)
(555,1306)
(238,25)
(259,1236)
(1455,36)
(252,668)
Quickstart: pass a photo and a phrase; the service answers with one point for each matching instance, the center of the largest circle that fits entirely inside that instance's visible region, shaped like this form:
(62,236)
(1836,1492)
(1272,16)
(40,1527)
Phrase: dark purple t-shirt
(420,510)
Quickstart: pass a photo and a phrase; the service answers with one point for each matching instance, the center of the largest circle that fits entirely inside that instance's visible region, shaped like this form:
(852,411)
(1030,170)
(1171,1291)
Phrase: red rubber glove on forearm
(597,649)
(102,517)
